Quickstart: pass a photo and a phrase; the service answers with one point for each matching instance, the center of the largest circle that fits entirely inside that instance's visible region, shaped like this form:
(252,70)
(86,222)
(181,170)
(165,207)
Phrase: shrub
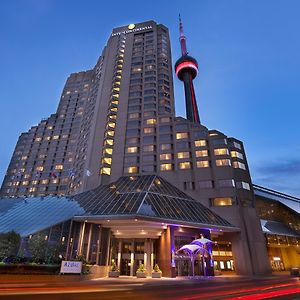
(156,268)
(114,267)
(141,268)
(9,244)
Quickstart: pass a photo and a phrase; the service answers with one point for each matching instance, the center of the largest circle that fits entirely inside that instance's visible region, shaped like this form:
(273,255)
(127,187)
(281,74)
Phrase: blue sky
(248,53)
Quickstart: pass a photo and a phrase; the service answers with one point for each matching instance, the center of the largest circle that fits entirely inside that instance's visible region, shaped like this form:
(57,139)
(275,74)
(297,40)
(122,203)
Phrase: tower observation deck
(186,69)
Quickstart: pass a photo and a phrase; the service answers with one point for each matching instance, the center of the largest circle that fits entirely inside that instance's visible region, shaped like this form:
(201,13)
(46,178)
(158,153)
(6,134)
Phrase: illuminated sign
(131,30)
(74,267)
(276,258)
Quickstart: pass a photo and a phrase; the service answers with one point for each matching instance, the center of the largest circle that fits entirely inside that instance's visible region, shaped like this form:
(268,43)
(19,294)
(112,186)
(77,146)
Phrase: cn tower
(186,69)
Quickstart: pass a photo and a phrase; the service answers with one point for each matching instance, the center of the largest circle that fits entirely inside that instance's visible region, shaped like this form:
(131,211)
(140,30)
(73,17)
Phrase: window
(149,139)
(181,135)
(165,146)
(108,151)
(131,159)
(149,168)
(105,171)
(45,181)
(201,153)
(243,185)
(223,162)
(183,145)
(166,167)
(237,145)
(184,165)
(165,156)
(132,169)
(149,158)
(26,182)
(132,149)
(133,140)
(239,165)
(149,130)
(236,154)
(226,183)
(200,143)
(221,151)
(205,184)
(40,168)
(165,119)
(151,121)
(221,201)
(59,167)
(109,142)
(148,148)
(55,137)
(107,160)
(202,164)
(189,185)
(183,155)
(24,157)
(133,116)
(219,142)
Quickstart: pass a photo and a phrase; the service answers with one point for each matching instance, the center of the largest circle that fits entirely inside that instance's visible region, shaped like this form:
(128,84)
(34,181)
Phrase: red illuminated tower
(186,70)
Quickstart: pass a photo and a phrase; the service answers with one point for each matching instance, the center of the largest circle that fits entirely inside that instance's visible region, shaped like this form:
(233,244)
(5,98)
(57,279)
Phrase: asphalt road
(225,288)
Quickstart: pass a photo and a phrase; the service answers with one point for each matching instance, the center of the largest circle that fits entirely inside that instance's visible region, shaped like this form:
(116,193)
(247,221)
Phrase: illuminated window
(148,148)
(165,156)
(111,124)
(105,171)
(38,139)
(213,134)
(110,133)
(243,185)
(151,121)
(201,153)
(34,182)
(116,89)
(26,182)
(166,167)
(50,127)
(55,180)
(113,117)
(132,149)
(32,189)
(45,181)
(135,70)
(239,165)
(47,138)
(221,201)
(236,154)
(223,162)
(133,116)
(27,176)
(221,151)
(109,142)
(149,130)
(185,165)
(202,164)
(113,109)
(55,137)
(200,143)
(40,168)
(107,160)
(59,167)
(108,151)
(132,169)
(115,102)
(65,136)
(181,135)
(166,146)
(24,157)
(183,155)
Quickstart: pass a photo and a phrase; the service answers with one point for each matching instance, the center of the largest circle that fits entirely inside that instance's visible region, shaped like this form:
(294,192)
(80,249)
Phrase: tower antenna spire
(182,38)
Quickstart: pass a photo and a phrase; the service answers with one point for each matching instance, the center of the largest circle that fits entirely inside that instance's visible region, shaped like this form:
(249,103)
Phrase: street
(77,287)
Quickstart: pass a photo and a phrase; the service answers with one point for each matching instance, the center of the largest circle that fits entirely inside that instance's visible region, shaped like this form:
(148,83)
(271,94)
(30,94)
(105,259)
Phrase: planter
(113,274)
(156,274)
(141,274)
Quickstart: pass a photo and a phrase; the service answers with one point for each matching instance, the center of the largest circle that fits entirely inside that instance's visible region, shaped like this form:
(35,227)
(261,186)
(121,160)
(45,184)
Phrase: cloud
(282,175)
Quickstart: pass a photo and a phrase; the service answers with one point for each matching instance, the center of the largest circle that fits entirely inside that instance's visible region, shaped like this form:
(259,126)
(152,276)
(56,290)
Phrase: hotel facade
(123,179)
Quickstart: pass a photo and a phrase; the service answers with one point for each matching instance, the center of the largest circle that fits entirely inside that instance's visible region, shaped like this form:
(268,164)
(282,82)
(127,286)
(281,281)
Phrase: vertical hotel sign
(131,28)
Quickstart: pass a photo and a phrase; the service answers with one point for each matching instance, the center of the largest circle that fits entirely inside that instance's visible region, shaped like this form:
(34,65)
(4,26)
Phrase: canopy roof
(274,227)
(149,197)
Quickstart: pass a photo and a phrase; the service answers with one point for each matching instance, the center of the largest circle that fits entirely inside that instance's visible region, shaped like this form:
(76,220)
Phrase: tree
(9,244)
(38,246)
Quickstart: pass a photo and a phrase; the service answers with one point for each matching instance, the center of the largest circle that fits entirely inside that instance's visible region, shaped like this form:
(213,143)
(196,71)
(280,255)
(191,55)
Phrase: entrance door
(125,267)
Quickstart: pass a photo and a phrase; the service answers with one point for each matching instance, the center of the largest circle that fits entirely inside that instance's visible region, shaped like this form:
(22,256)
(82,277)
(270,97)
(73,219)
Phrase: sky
(248,54)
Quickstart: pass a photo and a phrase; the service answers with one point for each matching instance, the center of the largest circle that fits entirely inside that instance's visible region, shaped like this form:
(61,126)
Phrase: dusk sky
(249,68)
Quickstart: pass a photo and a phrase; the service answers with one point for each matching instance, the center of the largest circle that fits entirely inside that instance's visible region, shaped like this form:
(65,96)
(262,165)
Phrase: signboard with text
(74,267)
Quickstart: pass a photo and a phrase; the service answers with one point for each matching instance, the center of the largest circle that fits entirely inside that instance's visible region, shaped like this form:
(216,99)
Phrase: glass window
(132,149)
(165,156)
(165,146)
(221,201)
(220,141)
(236,154)
(131,169)
(239,165)
(223,162)
(237,145)
(148,158)
(105,171)
(205,184)
(149,139)
(148,168)
(202,164)
(166,167)
(243,185)
(131,159)
(149,130)
(221,151)
(200,143)
(59,167)
(148,148)
(183,155)
(151,121)
(108,151)
(201,153)
(185,165)
(165,119)
(182,135)
(107,160)
(226,183)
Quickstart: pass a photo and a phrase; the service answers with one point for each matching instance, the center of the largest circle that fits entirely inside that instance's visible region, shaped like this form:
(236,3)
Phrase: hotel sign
(73,267)
(131,30)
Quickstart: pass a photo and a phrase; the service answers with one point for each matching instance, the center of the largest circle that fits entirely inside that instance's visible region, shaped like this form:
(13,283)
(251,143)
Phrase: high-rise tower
(186,70)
